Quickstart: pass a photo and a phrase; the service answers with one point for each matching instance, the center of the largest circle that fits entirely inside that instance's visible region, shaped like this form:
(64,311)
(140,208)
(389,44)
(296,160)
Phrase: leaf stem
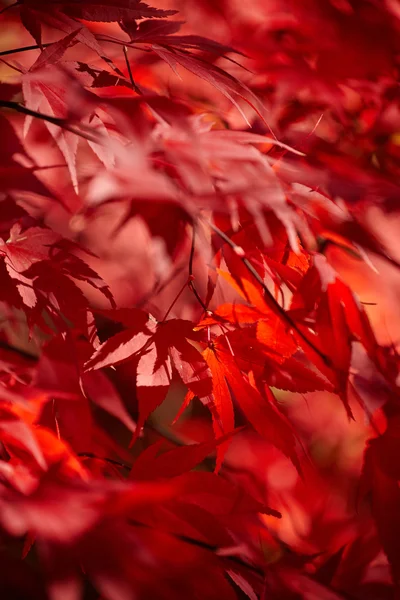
(159,286)
(191,276)
(205,546)
(23,49)
(117,463)
(111,40)
(275,304)
(128,66)
(49,118)
(174,302)
(24,353)
(3,10)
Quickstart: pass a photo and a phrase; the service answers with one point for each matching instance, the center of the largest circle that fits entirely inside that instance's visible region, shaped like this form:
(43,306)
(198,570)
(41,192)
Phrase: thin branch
(47,167)
(10,66)
(205,546)
(23,49)
(56,420)
(275,304)
(159,286)
(27,111)
(105,459)
(168,434)
(24,353)
(365,408)
(3,10)
(49,118)
(128,66)
(192,248)
(191,276)
(111,40)
(174,302)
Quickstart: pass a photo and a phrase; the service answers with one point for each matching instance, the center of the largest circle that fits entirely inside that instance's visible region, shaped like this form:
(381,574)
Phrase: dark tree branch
(62,123)
(23,49)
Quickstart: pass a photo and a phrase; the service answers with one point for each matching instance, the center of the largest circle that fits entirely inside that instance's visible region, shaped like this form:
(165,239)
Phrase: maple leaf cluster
(199,279)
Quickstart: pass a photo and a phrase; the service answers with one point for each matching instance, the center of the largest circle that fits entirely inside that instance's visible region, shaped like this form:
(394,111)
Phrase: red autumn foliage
(199,280)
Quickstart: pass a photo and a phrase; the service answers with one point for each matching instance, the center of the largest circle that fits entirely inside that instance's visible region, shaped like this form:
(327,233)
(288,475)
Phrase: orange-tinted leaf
(228,384)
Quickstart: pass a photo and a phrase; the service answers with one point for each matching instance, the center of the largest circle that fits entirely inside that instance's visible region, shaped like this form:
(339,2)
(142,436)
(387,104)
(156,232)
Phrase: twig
(275,304)
(105,459)
(174,302)
(10,66)
(365,409)
(167,433)
(3,10)
(191,276)
(159,286)
(49,118)
(24,353)
(205,546)
(23,49)
(128,66)
(111,40)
